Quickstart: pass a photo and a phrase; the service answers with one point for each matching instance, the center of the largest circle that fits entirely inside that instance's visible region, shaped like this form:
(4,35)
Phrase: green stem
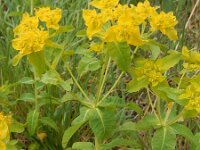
(97,147)
(77,84)
(179,83)
(170,109)
(104,79)
(114,85)
(32,6)
(153,109)
(36,92)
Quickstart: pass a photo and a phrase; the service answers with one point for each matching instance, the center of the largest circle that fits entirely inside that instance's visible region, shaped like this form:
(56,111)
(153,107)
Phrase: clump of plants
(121,55)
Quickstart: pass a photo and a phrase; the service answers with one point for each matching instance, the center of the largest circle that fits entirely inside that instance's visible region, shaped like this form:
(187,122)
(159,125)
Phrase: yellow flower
(120,10)
(97,47)
(30,41)
(94,22)
(27,23)
(165,22)
(103,4)
(194,104)
(41,136)
(2,145)
(190,56)
(143,11)
(50,17)
(5,121)
(192,93)
(150,70)
(124,33)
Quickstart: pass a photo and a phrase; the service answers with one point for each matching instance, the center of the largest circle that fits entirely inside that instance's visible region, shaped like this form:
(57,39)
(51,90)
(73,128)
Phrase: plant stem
(104,79)
(32,6)
(97,144)
(151,104)
(172,104)
(179,83)
(77,84)
(114,85)
(35,92)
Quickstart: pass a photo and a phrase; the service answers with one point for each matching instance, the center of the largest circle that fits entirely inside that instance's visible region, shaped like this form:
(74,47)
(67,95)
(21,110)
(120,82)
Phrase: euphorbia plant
(121,38)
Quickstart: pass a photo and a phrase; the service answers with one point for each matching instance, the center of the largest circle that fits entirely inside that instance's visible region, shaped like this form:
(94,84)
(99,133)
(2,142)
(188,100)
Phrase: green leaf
(120,53)
(112,101)
(26,80)
(83,146)
(32,121)
(37,60)
(81,33)
(102,122)
(27,97)
(154,47)
(15,13)
(148,122)
(118,142)
(128,126)
(49,122)
(16,127)
(164,139)
(87,64)
(135,107)
(69,133)
(16,59)
(115,101)
(52,44)
(63,29)
(136,85)
(184,131)
(189,113)
(169,93)
(50,77)
(83,117)
(169,61)
(195,146)
(66,85)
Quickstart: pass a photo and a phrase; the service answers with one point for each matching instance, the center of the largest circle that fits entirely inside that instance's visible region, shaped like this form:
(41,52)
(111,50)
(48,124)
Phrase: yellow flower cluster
(29,37)
(165,22)
(192,93)
(50,17)
(121,23)
(191,58)
(97,47)
(151,71)
(5,121)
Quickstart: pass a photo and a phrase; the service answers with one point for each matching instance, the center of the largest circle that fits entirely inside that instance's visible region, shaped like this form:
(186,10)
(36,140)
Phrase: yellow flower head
(192,93)
(50,17)
(165,22)
(190,56)
(194,104)
(104,4)
(143,11)
(124,33)
(5,121)
(27,23)
(30,41)
(97,47)
(2,145)
(120,10)
(94,22)
(150,70)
